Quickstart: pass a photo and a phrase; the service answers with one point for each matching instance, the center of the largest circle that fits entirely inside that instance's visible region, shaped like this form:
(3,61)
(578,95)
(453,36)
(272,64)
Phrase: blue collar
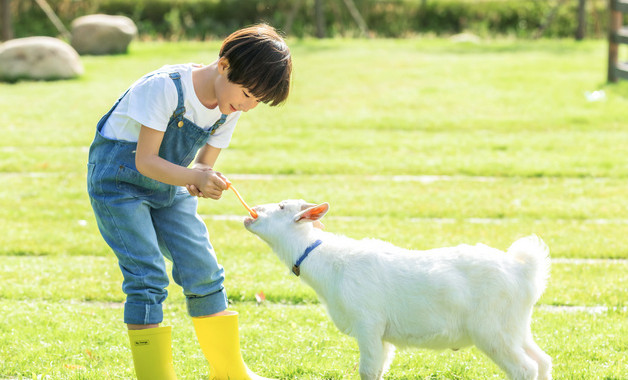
(295,268)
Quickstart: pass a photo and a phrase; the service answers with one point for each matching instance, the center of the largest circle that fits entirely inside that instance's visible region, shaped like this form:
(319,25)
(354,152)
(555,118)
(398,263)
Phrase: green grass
(367,124)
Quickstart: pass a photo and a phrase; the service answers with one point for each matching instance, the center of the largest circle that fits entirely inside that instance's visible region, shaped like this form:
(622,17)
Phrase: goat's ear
(312,214)
(305,206)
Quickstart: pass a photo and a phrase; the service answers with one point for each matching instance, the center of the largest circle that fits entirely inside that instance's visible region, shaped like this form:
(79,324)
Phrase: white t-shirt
(152,100)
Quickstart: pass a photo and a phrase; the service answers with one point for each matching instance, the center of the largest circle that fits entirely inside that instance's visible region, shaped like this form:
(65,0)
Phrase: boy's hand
(211,184)
(192,189)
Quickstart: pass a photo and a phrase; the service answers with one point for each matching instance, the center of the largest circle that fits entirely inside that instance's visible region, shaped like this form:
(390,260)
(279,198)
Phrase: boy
(144,193)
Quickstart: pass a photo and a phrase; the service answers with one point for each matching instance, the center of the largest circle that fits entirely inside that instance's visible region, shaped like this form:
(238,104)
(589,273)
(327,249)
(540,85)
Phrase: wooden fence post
(617,35)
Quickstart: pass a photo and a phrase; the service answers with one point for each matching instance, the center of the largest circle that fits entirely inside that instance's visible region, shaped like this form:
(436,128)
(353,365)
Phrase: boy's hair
(260,61)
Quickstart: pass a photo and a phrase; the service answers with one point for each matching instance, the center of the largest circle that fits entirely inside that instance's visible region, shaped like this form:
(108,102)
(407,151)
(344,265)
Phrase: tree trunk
(7,26)
(320,19)
(582,20)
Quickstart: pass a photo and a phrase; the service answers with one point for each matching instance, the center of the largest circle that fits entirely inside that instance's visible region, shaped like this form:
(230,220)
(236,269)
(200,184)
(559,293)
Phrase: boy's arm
(205,160)
(149,163)
(206,157)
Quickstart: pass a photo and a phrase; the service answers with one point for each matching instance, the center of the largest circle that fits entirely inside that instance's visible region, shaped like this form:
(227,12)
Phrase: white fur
(384,295)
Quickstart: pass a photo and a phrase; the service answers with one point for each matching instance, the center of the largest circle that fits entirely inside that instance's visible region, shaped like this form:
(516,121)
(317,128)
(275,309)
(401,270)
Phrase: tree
(582,20)
(7,26)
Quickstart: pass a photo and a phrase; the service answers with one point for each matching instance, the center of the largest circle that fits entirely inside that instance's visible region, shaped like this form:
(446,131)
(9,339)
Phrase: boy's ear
(312,214)
(223,65)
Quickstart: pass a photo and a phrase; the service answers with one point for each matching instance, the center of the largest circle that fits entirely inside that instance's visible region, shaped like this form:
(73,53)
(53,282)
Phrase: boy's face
(232,97)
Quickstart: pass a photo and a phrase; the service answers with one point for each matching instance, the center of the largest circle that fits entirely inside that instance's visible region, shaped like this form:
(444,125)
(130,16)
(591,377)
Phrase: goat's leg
(543,360)
(511,359)
(373,355)
(389,355)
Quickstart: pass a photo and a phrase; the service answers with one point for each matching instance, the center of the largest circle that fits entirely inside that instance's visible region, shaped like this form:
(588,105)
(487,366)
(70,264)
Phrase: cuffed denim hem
(141,314)
(207,305)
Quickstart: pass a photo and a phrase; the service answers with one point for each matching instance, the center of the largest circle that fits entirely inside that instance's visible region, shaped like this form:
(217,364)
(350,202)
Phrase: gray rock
(100,34)
(38,58)
(465,38)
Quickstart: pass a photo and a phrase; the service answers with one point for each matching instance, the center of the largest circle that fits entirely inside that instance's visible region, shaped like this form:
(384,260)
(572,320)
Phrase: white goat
(384,295)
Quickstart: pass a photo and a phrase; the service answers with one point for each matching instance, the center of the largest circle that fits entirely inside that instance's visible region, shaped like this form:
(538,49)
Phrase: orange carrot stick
(251,211)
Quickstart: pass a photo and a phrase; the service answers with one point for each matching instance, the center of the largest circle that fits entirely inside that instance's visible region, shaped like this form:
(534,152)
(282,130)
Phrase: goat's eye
(281,206)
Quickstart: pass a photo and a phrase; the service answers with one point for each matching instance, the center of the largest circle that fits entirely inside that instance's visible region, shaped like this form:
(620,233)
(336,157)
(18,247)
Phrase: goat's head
(277,222)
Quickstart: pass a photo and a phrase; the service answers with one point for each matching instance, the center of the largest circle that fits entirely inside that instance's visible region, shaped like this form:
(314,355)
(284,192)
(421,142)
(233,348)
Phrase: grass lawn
(423,143)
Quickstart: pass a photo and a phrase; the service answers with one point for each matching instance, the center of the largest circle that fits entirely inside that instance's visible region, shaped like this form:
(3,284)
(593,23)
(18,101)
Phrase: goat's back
(431,290)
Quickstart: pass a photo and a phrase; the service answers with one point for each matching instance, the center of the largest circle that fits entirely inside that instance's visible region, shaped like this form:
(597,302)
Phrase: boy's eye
(249,96)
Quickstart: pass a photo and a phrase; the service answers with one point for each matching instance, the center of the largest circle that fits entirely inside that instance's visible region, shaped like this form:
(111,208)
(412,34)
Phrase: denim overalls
(142,219)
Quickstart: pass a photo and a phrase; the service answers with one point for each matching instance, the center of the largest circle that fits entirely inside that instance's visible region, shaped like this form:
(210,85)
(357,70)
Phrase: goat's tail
(534,253)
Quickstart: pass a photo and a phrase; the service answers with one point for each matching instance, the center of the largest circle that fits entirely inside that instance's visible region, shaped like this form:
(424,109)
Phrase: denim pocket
(136,184)
(182,190)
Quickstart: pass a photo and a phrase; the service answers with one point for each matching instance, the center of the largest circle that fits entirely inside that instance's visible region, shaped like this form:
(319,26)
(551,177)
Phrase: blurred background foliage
(203,19)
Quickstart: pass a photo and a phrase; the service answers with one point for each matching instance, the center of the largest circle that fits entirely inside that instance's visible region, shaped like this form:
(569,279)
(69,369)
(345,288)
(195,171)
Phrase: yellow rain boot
(220,341)
(152,353)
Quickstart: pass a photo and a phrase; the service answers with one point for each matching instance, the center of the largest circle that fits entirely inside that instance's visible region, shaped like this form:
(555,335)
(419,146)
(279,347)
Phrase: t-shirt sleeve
(222,137)
(152,101)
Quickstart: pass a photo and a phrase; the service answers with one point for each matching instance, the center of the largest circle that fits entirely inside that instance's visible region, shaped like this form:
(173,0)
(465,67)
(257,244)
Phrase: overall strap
(104,118)
(218,123)
(180,110)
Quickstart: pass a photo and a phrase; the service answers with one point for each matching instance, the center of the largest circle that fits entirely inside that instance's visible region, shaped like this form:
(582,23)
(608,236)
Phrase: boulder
(39,58)
(100,34)
(465,38)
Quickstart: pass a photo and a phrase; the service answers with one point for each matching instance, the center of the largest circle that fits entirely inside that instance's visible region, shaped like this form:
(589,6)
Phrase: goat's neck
(290,249)
(319,268)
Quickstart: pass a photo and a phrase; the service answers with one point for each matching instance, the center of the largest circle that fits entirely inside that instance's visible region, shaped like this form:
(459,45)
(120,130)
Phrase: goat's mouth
(248,221)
